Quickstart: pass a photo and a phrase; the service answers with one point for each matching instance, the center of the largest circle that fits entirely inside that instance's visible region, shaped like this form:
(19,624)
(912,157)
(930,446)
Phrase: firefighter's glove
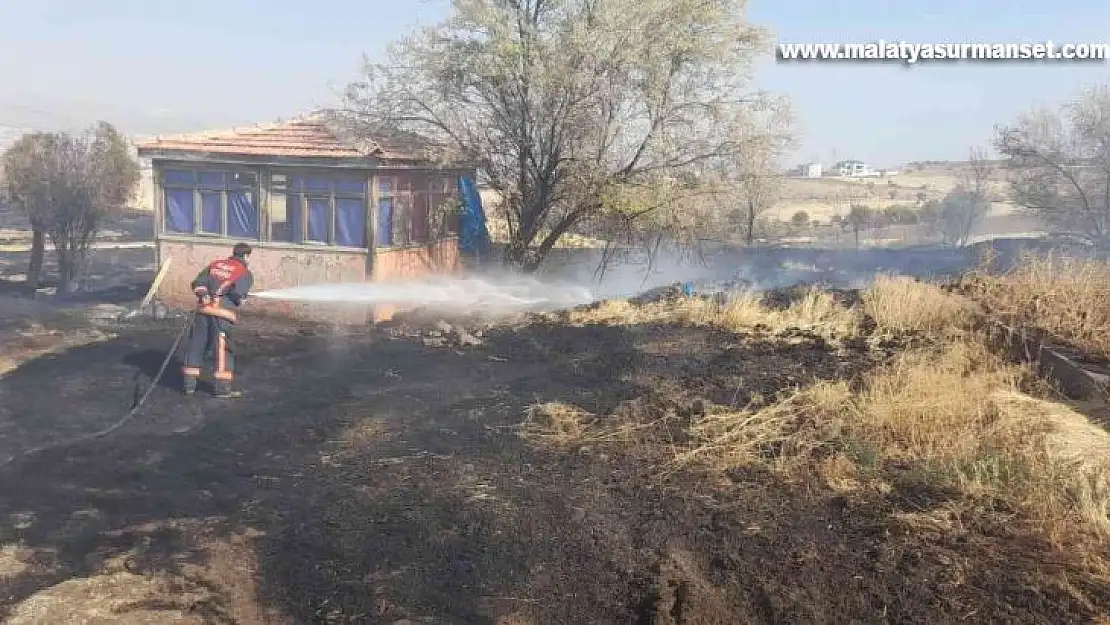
(203,298)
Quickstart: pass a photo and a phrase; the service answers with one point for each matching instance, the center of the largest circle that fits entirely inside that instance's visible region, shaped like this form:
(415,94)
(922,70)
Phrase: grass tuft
(1067,297)
(901,305)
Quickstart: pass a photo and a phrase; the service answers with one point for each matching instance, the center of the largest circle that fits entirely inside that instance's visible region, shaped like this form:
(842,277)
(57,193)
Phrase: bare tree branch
(1059,164)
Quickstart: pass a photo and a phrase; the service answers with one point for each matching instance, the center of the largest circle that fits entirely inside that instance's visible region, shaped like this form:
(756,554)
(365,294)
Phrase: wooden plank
(159,208)
(156,283)
(372,226)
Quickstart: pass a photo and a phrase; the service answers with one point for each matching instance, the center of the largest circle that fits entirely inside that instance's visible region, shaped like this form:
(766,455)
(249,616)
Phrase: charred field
(803,457)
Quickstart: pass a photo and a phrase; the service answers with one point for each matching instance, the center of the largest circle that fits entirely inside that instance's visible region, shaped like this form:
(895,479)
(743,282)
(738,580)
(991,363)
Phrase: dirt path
(373,478)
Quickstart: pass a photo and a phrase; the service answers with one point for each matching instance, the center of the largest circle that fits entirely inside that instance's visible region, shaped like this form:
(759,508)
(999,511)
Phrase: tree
(859,216)
(1059,164)
(929,217)
(800,219)
(758,185)
(965,206)
(28,192)
(900,215)
(67,185)
(581,110)
(960,210)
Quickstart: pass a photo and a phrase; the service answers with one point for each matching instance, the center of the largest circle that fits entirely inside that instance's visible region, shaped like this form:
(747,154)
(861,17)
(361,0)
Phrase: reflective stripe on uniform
(221,372)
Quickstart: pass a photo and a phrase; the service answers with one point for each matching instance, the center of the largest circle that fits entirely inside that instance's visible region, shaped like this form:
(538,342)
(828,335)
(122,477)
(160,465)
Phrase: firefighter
(220,288)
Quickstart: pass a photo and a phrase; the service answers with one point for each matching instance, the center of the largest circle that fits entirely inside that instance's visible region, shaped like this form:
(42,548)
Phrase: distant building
(812,170)
(854,169)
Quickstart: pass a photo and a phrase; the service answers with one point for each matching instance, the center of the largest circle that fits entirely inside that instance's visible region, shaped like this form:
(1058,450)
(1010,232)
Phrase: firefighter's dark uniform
(221,288)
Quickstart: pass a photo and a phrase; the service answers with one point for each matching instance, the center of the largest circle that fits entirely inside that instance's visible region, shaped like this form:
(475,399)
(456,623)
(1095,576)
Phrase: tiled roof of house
(314,137)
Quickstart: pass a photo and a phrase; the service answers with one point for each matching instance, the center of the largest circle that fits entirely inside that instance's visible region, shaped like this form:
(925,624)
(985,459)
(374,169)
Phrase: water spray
(471,294)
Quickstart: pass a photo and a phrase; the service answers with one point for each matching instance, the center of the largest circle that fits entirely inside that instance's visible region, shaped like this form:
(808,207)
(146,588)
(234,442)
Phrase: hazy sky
(189,64)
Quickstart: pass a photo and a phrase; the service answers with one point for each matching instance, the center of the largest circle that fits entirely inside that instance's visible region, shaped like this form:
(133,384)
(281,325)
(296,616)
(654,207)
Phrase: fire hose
(135,406)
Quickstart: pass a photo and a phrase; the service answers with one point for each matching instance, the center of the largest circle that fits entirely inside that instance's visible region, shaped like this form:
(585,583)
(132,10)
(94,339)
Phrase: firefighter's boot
(224,391)
(189,387)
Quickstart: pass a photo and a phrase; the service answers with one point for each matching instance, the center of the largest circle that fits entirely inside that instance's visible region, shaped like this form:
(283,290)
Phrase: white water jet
(470,294)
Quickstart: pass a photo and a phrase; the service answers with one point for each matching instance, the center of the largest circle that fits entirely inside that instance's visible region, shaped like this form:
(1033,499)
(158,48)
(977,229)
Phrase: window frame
(298,196)
(402,189)
(199,189)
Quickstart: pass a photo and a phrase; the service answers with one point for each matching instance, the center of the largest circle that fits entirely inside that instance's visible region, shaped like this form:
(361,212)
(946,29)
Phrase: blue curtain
(179,210)
(242,215)
(318,210)
(211,213)
(350,222)
(385,222)
(295,213)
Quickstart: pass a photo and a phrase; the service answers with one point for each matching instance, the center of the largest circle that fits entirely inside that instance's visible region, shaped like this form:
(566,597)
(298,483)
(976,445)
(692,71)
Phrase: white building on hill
(854,169)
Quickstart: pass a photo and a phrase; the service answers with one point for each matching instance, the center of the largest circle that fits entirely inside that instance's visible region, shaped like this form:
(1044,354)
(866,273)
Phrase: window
(385,222)
(415,208)
(282,221)
(216,203)
(325,210)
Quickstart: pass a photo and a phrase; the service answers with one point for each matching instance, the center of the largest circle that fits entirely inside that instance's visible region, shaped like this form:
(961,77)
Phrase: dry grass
(14,560)
(1066,297)
(787,430)
(954,417)
(561,426)
(901,305)
(950,413)
(556,424)
(816,311)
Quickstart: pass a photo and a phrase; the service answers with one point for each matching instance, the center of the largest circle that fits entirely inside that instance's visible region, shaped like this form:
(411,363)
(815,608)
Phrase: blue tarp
(473,232)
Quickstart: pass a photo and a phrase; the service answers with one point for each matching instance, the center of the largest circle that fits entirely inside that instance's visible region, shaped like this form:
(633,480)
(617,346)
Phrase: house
(854,169)
(316,204)
(812,170)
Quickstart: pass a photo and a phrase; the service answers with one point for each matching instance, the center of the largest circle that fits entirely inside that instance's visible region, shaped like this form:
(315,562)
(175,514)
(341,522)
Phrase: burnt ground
(375,477)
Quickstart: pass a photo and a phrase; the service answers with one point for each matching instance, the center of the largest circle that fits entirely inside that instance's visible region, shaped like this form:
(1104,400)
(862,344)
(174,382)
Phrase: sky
(183,65)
